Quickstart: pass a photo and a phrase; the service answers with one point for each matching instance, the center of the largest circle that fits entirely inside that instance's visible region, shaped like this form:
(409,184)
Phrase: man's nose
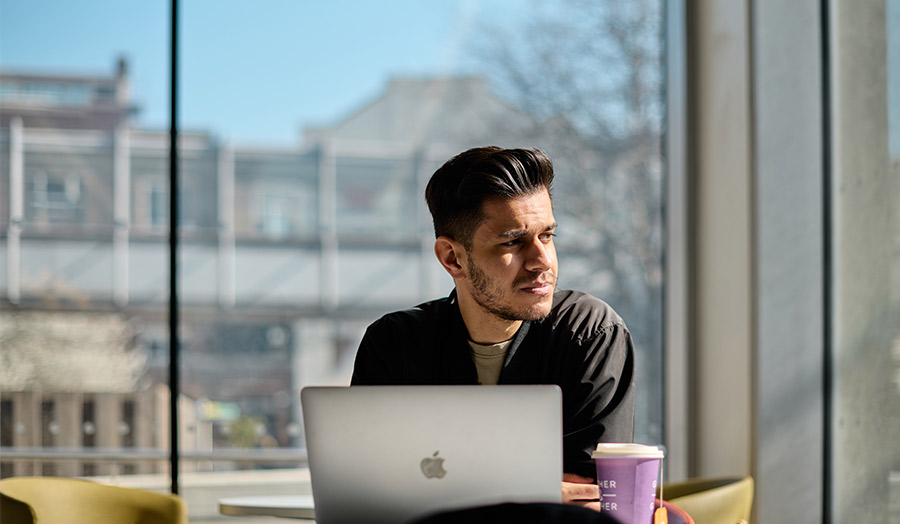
(539,256)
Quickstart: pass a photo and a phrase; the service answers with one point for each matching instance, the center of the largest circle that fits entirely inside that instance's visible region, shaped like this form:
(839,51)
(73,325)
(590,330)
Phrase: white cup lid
(626,449)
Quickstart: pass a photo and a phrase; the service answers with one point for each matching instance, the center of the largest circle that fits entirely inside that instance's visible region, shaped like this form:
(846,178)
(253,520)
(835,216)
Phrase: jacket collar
(462,337)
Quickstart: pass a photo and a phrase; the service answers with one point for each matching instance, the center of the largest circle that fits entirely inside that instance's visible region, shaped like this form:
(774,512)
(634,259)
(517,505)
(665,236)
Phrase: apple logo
(433,466)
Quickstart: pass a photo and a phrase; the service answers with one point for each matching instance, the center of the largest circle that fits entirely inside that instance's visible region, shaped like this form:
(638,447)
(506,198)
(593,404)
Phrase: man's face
(511,266)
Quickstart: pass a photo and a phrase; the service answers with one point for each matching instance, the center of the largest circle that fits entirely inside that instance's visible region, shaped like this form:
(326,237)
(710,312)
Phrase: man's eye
(511,243)
(547,237)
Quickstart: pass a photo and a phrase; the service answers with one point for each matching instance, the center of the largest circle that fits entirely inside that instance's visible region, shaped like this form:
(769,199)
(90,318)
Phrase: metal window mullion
(174,346)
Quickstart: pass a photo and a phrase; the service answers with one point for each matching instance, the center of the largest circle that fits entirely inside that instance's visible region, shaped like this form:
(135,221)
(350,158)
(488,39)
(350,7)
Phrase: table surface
(301,507)
(289,506)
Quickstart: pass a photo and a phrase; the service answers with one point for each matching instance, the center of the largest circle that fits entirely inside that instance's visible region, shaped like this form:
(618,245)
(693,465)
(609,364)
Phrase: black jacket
(583,346)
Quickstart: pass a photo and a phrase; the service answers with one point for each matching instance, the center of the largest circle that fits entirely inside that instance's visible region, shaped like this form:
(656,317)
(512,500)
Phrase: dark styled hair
(457,190)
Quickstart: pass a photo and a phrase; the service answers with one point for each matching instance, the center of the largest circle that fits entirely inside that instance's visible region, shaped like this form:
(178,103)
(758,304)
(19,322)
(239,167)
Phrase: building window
(55,197)
(158,206)
(152,205)
(275,215)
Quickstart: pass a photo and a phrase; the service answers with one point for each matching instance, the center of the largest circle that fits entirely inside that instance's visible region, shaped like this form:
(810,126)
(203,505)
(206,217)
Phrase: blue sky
(252,72)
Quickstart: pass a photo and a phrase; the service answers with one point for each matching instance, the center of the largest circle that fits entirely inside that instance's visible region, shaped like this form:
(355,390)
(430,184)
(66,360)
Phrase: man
(505,322)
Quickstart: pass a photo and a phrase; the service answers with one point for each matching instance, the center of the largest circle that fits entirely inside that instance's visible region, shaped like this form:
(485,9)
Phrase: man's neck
(483,326)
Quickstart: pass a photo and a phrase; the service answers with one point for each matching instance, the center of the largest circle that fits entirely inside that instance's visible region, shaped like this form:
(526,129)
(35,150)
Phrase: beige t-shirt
(489,361)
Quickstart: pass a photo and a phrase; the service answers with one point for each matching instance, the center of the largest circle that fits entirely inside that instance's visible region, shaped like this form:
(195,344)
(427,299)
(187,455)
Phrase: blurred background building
(287,255)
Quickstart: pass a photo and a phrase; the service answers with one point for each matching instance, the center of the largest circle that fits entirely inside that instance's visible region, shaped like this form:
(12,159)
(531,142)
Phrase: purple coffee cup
(627,475)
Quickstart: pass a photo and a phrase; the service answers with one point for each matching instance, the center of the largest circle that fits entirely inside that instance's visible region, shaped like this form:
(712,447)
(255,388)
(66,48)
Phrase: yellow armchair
(75,501)
(15,511)
(713,500)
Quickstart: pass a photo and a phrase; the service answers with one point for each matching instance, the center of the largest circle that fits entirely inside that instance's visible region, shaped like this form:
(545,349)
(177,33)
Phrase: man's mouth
(543,286)
(539,289)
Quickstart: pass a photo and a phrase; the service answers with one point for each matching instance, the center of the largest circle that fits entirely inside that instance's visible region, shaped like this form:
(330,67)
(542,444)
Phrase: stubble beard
(488,295)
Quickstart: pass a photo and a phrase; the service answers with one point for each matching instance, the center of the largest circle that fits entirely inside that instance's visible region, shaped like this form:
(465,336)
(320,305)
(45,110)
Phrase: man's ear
(451,255)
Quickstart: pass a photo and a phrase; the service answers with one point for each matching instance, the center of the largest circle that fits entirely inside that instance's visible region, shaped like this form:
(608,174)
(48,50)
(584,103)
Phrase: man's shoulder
(571,300)
(582,313)
(423,313)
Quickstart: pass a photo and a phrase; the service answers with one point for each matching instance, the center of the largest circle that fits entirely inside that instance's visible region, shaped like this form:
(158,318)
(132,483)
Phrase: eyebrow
(517,233)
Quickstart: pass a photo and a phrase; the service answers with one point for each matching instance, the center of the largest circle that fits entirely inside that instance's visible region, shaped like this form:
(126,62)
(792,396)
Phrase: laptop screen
(393,453)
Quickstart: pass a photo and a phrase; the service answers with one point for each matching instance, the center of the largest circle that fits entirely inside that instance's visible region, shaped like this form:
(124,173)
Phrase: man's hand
(580,491)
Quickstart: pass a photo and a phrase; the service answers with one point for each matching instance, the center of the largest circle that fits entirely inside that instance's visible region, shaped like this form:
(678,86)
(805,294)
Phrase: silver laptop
(392,454)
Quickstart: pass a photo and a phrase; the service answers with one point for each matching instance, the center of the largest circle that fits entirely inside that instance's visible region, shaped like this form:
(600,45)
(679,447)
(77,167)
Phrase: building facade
(285,254)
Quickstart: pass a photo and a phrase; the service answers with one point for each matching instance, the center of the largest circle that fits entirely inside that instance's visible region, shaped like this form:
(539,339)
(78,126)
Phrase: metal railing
(268,455)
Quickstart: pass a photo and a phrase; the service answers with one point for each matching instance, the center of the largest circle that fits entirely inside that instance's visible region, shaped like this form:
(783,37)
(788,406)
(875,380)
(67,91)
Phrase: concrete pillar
(226,255)
(16,210)
(428,287)
(143,428)
(121,211)
(722,181)
(26,427)
(865,312)
(68,414)
(788,375)
(107,415)
(678,236)
(314,356)
(328,292)
(162,422)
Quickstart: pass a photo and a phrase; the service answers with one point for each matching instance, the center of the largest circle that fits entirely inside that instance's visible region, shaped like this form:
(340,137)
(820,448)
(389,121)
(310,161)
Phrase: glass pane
(865,317)
(79,297)
(308,135)
(326,128)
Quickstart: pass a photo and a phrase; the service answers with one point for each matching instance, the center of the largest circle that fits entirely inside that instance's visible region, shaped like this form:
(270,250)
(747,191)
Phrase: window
(55,197)
(275,221)
(363,143)
(151,207)
(302,217)
(158,206)
(69,326)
